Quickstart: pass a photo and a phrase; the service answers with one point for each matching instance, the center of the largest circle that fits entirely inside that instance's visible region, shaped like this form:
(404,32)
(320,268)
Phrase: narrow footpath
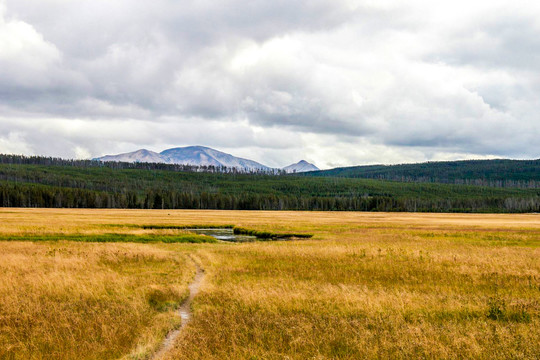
(185,313)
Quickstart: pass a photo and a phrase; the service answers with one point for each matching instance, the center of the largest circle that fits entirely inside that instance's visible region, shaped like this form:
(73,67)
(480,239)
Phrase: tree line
(53,161)
(524,174)
(32,195)
(50,182)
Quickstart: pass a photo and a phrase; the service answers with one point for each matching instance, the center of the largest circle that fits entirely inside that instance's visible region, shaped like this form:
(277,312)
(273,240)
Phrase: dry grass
(64,300)
(369,285)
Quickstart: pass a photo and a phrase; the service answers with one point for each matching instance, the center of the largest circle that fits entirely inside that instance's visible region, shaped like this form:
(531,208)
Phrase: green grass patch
(269,235)
(186,227)
(168,227)
(106,238)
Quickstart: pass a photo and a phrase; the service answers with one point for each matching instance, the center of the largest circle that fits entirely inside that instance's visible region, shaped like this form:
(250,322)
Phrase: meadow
(367,285)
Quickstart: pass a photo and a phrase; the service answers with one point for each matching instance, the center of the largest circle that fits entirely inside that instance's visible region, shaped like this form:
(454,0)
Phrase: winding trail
(185,313)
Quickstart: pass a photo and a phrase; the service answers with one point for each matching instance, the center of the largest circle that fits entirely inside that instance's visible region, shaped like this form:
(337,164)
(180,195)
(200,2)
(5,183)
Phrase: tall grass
(395,287)
(67,300)
(365,286)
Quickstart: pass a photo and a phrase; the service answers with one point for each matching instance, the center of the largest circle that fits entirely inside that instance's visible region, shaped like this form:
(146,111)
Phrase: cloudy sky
(335,82)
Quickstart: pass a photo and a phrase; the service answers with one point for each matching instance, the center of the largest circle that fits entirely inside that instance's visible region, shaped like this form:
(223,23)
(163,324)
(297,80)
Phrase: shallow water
(224,234)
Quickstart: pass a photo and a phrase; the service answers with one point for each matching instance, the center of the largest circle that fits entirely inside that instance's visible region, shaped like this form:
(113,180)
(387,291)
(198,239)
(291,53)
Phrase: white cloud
(25,56)
(336,82)
(13,143)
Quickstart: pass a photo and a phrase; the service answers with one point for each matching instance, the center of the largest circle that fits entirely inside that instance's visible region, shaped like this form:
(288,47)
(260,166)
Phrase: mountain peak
(187,148)
(202,155)
(141,155)
(189,155)
(301,166)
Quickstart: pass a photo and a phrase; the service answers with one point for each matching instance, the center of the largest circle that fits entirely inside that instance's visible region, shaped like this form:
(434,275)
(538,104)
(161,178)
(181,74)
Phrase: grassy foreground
(367,285)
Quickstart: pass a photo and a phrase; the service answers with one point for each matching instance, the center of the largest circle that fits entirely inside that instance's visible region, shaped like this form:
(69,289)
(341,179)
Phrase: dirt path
(185,314)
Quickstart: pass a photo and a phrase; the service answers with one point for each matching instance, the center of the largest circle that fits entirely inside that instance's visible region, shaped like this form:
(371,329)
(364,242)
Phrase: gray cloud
(502,43)
(336,82)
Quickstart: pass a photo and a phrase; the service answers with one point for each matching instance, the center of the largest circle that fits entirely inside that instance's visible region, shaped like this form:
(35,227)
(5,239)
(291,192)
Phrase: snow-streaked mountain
(190,155)
(201,155)
(142,155)
(301,166)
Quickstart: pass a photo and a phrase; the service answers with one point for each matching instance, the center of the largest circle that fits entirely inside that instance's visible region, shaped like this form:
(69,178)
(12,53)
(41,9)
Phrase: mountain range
(202,156)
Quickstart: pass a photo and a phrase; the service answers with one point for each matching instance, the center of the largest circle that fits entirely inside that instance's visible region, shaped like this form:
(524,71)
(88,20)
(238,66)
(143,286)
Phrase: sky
(334,82)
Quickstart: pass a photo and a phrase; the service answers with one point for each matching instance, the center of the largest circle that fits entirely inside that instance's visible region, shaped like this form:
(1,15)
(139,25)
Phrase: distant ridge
(499,172)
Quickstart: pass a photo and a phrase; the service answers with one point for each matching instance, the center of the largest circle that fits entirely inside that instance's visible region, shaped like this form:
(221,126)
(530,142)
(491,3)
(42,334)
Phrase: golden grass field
(367,285)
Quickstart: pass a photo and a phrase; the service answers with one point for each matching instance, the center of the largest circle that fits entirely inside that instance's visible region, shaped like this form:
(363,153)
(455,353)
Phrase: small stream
(224,234)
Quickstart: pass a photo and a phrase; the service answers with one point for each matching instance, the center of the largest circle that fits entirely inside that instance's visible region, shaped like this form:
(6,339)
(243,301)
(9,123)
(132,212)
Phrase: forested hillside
(495,173)
(42,182)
